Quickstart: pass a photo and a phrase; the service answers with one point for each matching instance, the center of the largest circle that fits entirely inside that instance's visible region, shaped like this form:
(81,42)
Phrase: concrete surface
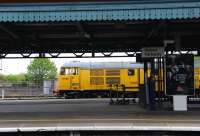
(92,114)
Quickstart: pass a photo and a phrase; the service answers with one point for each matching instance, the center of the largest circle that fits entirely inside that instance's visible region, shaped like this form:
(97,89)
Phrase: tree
(41,69)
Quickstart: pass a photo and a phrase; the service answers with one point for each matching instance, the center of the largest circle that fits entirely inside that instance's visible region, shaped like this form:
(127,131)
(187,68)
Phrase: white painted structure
(180,102)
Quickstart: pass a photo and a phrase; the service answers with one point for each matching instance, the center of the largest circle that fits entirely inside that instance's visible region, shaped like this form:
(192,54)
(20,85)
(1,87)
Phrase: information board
(180,75)
(152,52)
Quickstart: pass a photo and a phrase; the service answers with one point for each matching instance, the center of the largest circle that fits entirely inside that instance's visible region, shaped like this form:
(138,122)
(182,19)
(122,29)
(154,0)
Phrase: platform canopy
(98,11)
(98,26)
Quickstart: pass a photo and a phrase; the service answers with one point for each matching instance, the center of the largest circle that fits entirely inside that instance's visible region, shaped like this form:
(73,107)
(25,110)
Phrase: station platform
(91,114)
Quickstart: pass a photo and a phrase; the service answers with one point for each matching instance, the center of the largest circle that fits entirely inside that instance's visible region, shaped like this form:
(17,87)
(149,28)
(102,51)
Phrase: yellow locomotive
(97,78)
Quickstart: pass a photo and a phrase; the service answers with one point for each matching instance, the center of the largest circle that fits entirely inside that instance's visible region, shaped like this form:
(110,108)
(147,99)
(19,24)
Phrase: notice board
(180,74)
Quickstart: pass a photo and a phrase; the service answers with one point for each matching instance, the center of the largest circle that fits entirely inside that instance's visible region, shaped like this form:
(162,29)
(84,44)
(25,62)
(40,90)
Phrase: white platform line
(102,128)
(107,120)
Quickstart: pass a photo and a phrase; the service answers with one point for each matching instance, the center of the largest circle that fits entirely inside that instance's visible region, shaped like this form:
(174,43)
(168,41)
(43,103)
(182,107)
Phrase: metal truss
(70,55)
(184,52)
(87,55)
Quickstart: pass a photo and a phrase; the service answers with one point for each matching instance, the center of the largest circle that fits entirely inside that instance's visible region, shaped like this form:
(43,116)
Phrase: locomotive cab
(68,79)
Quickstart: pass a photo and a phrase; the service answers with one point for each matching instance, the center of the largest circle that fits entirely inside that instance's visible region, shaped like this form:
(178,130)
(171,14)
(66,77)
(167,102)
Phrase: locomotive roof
(96,65)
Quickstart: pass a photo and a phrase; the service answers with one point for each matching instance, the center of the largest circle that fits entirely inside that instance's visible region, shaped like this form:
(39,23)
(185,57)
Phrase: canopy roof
(100,11)
(92,27)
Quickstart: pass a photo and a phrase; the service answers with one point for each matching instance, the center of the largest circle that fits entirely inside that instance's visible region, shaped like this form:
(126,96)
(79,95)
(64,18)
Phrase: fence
(27,89)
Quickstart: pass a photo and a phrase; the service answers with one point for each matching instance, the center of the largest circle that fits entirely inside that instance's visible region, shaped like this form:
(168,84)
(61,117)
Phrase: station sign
(153,52)
(180,74)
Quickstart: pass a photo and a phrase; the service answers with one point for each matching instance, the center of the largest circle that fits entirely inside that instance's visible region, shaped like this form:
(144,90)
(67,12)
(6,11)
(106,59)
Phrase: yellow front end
(68,80)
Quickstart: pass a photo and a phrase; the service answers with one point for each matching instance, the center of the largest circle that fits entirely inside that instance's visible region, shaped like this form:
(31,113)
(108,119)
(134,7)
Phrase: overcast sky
(16,66)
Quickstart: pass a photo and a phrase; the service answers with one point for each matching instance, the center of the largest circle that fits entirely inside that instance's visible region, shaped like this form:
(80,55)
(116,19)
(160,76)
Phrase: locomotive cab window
(131,72)
(62,71)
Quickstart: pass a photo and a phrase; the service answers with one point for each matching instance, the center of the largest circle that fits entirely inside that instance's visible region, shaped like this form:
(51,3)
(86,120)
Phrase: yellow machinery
(79,78)
(98,77)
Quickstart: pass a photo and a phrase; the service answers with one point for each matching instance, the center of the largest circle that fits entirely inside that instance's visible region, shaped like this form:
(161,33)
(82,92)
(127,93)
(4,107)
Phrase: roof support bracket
(54,55)
(83,31)
(131,54)
(3,55)
(107,54)
(9,32)
(79,55)
(26,55)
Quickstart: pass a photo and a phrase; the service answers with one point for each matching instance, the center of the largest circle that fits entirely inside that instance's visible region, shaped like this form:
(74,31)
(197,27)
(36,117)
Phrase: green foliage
(15,78)
(2,77)
(41,69)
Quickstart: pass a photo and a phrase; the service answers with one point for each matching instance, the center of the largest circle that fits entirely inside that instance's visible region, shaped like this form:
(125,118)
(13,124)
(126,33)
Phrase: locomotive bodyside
(77,78)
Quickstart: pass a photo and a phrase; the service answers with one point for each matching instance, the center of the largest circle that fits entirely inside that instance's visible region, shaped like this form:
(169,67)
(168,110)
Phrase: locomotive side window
(75,71)
(131,72)
(62,71)
(71,71)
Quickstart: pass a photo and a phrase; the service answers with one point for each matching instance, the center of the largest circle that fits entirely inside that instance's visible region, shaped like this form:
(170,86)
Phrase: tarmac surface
(90,114)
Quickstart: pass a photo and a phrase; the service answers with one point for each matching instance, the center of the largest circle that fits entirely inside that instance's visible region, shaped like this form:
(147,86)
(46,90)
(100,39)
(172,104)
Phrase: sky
(17,66)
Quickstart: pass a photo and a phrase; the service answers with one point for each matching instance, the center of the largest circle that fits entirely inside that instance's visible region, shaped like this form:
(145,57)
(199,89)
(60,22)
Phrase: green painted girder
(112,11)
